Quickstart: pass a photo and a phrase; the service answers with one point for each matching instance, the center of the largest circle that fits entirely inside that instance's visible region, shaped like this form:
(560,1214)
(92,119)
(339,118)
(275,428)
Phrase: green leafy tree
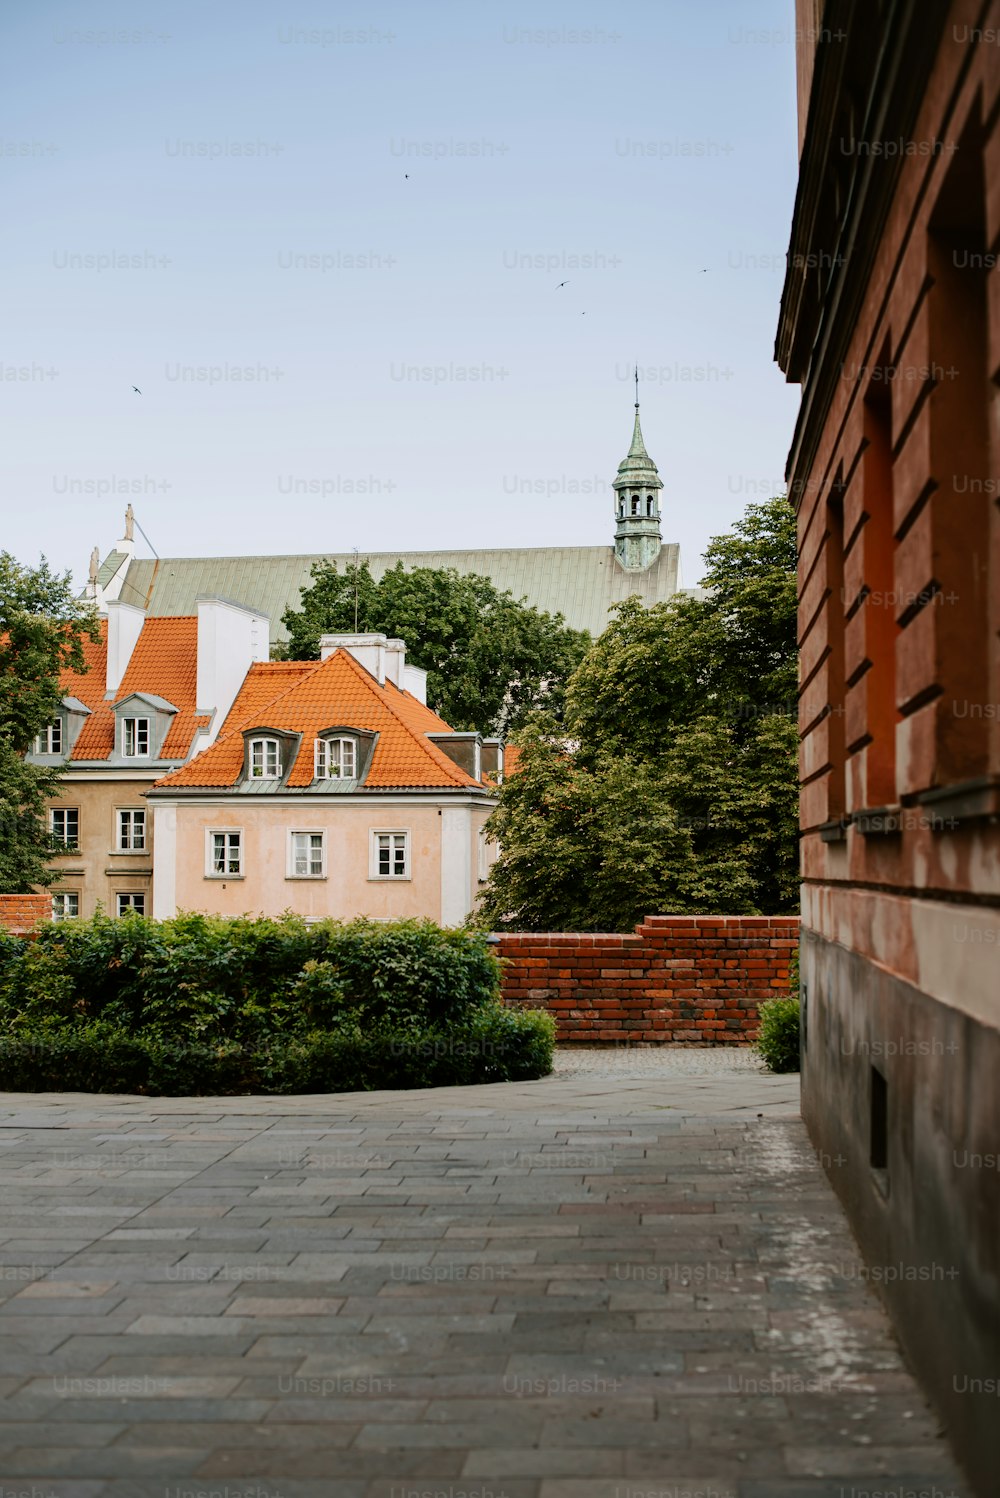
(675,775)
(42,632)
(490,659)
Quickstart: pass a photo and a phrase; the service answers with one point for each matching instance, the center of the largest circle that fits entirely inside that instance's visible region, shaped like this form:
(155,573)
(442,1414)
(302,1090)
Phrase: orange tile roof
(88,686)
(164,664)
(511,759)
(334,692)
(262,683)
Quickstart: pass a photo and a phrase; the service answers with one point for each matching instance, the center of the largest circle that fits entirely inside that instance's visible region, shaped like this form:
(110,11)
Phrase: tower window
(635,504)
(649,504)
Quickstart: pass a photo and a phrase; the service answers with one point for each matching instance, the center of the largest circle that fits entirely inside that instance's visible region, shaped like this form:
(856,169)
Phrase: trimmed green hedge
(206,1005)
(778,1036)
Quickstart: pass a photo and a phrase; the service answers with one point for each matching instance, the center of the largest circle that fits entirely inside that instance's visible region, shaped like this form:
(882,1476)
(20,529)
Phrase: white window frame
(64,812)
(374,850)
(265,743)
(128,844)
(50,740)
(59,912)
(323,757)
(293,871)
(138,732)
(125,900)
(211,833)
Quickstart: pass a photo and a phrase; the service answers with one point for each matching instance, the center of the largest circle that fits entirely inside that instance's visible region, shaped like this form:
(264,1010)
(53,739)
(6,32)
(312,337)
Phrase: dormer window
(265,759)
(135,738)
(336,759)
(50,740)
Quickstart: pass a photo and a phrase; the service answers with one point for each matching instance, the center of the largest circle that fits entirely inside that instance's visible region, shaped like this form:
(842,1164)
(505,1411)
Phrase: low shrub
(499,1046)
(778,1036)
(201,1004)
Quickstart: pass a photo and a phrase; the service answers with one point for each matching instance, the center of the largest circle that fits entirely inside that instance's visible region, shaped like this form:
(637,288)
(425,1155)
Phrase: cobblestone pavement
(621,1281)
(658,1060)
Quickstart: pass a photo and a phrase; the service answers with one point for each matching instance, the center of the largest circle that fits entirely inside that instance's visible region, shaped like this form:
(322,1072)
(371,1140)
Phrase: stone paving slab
(629,1278)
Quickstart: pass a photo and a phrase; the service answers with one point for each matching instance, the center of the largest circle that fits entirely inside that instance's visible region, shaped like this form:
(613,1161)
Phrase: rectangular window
(225,856)
(64,825)
(131,832)
(50,740)
(390,855)
(65,905)
(265,759)
(135,738)
(306,860)
(134,903)
(336,759)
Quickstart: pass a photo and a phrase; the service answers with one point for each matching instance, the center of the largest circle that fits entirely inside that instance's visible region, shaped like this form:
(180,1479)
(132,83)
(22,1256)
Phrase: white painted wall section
(230,640)
(456,864)
(164,862)
(125,623)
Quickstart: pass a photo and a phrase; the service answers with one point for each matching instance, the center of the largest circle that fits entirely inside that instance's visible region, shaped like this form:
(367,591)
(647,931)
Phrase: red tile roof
(88,686)
(164,664)
(337,692)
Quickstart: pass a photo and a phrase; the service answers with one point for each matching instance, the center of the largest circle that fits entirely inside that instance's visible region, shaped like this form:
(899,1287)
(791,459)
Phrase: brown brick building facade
(890,321)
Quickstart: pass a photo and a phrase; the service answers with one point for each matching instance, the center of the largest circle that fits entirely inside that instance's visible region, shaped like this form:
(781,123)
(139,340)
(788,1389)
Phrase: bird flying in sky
(136,389)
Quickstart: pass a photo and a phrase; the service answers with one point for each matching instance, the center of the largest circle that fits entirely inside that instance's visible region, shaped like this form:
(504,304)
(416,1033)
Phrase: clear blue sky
(249,162)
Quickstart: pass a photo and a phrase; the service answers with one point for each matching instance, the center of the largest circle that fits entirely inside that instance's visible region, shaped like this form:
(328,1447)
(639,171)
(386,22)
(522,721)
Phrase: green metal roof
(109,567)
(637,469)
(580,582)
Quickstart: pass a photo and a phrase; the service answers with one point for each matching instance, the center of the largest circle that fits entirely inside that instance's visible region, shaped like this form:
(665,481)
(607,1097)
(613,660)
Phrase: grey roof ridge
(369,552)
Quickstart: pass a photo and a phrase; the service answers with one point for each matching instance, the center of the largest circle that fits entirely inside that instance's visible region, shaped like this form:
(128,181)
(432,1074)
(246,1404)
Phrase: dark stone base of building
(901,1096)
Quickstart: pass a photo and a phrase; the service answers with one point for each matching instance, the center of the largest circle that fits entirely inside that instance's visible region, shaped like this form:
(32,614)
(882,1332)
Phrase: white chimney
(415,682)
(230,640)
(368,650)
(395,662)
(125,623)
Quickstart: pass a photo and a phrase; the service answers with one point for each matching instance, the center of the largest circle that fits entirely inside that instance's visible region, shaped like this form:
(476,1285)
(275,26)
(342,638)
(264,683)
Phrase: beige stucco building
(153,693)
(332,790)
(197,775)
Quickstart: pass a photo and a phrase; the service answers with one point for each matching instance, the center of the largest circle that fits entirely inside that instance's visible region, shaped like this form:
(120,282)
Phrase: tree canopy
(491,660)
(42,632)
(672,785)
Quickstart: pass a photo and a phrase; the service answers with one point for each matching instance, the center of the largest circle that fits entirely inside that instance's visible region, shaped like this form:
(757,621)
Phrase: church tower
(637,504)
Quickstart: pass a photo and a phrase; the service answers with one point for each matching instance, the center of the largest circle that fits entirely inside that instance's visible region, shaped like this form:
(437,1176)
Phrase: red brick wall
(20,912)
(678,980)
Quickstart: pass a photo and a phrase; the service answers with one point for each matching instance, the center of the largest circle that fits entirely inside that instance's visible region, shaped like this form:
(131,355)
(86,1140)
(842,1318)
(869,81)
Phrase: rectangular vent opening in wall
(879,1130)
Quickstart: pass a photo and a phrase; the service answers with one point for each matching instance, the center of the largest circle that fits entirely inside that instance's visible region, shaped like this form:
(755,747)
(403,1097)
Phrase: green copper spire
(637,503)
